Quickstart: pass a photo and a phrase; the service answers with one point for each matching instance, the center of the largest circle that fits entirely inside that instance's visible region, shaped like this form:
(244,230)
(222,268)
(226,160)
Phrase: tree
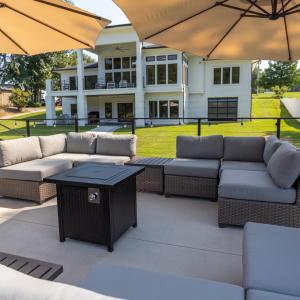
(19,98)
(281,74)
(279,91)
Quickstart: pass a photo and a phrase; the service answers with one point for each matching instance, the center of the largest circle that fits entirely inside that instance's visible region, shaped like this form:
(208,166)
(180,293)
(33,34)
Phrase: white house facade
(132,79)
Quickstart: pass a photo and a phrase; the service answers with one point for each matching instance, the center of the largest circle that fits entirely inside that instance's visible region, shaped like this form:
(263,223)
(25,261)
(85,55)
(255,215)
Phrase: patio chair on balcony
(123,84)
(100,84)
(65,85)
(111,85)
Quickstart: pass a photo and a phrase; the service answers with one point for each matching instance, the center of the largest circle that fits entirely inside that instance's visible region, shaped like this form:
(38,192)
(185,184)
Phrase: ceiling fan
(121,48)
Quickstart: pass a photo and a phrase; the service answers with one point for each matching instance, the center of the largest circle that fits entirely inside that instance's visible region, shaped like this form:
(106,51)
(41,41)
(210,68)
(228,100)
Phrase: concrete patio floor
(174,235)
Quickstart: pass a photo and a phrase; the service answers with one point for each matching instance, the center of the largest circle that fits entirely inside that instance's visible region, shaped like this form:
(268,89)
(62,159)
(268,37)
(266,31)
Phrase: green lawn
(161,141)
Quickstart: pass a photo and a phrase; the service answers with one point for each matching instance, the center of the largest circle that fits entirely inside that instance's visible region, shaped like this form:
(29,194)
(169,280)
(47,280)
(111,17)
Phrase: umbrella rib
(253,2)
(13,41)
(284,6)
(47,25)
(186,19)
(287,34)
(87,14)
(227,32)
(255,13)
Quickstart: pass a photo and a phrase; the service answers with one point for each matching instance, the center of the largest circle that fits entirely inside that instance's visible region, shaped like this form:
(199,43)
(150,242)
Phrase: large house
(148,81)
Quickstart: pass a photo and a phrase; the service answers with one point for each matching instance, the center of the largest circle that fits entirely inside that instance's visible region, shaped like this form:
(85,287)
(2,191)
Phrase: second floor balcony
(91,83)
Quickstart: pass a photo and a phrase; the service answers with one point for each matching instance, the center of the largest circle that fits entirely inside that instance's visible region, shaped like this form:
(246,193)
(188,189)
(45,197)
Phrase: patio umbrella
(230,29)
(38,26)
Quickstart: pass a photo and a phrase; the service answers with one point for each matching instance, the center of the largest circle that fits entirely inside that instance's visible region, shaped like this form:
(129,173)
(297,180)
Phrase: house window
(236,75)
(153,109)
(150,58)
(108,64)
(108,77)
(172,74)
(217,75)
(117,63)
(161,58)
(133,77)
(150,74)
(174,109)
(222,108)
(126,62)
(108,110)
(126,76)
(117,77)
(163,109)
(133,62)
(172,57)
(73,83)
(226,75)
(90,82)
(73,109)
(161,74)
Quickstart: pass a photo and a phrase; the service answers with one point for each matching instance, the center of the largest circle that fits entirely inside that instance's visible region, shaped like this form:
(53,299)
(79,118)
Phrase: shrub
(20,98)
(279,91)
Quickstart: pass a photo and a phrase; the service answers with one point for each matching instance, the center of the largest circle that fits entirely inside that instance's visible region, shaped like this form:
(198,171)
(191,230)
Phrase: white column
(139,93)
(81,99)
(50,103)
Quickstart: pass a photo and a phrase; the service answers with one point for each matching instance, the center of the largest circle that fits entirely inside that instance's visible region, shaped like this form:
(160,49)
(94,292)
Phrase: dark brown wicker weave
(151,180)
(191,186)
(38,192)
(239,212)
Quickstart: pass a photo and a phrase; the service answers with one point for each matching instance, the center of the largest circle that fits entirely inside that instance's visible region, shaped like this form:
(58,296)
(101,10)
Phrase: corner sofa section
(24,163)
(195,170)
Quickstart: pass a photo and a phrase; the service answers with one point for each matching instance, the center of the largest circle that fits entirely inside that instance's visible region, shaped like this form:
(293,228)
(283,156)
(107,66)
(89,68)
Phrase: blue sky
(103,8)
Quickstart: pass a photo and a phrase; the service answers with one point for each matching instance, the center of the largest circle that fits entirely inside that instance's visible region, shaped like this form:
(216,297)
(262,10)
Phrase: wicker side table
(152,179)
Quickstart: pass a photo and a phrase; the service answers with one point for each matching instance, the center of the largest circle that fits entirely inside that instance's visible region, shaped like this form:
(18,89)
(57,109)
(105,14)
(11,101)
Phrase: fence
(158,136)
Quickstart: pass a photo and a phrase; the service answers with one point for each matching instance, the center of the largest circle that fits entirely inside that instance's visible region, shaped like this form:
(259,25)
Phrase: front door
(125,111)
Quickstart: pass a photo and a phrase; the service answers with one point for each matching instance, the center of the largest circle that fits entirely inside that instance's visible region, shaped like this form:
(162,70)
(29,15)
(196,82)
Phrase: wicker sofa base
(239,212)
(191,186)
(38,192)
(151,180)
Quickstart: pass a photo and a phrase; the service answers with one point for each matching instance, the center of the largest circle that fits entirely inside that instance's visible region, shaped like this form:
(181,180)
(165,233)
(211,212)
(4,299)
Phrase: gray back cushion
(110,144)
(81,142)
(17,151)
(206,147)
(53,144)
(244,148)
(272,144)
(284,166)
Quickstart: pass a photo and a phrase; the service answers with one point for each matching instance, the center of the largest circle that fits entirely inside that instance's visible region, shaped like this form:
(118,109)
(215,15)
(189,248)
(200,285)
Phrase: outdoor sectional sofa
(270,272)
(24,163)
(254,179)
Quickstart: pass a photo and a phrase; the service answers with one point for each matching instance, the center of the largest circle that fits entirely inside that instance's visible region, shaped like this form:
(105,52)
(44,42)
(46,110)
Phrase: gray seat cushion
(253,185)
(79,158)
(271,258)
(135,284)
(261,295)
(20,150)
(272,144)
(244,148)
(284,165)
(53,144)
(206,147)
(105,159)
(206,168)
(243,165)
(35,170)
(81,142)
(110,144)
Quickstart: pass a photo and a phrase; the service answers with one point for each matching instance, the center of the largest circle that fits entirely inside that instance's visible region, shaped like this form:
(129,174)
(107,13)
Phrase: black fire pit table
(96,203)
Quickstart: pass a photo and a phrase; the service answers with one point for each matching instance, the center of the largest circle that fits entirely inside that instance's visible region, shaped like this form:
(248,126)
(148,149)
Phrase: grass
(161,140)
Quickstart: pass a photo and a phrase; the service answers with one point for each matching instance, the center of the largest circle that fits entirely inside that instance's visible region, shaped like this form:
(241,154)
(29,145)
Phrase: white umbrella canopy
(230,29)
(37,26)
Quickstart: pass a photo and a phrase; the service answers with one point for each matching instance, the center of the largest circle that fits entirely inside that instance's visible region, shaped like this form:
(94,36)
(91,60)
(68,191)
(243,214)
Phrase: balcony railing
(65,85)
